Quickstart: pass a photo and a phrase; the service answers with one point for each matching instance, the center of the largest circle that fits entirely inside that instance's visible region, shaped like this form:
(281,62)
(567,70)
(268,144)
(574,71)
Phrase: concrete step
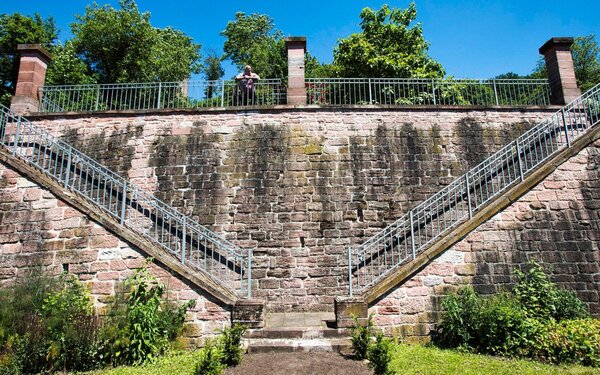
(297,345)
(298,332)
(307,333)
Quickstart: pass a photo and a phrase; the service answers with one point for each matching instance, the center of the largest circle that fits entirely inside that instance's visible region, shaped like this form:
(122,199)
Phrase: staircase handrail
(190,242)
(410,235)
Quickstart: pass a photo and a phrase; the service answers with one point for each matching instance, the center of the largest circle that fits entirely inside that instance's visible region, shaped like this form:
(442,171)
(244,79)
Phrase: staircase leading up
(298,332)
(198,254)
(402,248)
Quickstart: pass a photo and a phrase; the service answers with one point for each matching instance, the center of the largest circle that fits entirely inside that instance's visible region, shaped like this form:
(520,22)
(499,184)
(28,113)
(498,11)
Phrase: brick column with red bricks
(296,92)
(32,74)
(561,72)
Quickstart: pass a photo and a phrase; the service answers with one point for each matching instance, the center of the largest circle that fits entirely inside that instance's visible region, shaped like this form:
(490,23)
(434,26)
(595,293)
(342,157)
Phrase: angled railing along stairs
(385,259)
(219,266)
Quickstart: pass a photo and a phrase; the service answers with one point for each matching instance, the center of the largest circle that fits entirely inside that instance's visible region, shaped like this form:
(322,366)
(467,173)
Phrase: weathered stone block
(348,308)
(250,312)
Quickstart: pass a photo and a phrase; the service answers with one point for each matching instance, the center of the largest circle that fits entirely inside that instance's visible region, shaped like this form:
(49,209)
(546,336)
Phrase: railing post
(222,93)
(564,119)
(124,203)
(469,203)
(350,270)
(97,97)
(159,93)
(16,135)
(495,92)
(41,99)
(412,235)
(370,93)
(68,172)
(433,91)
(249,273)
(184,235)
(518,144)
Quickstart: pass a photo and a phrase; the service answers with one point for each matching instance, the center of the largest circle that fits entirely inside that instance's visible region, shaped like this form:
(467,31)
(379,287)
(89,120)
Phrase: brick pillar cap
(295,40)
(35,49)
(556,42)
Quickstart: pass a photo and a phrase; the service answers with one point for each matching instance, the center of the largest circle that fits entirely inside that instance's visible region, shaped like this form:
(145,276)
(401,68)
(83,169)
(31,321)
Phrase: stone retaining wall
(39,230)
(556,224)
(298,186)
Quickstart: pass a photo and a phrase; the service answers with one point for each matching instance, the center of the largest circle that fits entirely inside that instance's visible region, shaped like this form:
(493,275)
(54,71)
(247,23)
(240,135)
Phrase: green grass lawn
(176,363)
(417,359)
(408,359)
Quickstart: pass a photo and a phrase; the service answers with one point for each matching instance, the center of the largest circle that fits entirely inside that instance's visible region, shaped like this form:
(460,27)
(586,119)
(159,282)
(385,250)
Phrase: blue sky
(472,39)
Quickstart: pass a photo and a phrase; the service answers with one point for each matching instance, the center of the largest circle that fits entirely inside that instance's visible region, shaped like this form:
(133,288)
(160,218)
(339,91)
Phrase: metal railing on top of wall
(160,95)
(189,242)
(409,236)
(427,91)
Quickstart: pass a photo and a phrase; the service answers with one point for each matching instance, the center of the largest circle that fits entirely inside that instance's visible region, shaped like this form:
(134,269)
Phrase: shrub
(461,322)
(569,341)
(230,345)
(361,336)
(568,306)
(141,323)
(380,355)
(47,324)
(225,351)
(209,360)
(535,292)
(72,326)
(541,298)
(502,326)
(536,320)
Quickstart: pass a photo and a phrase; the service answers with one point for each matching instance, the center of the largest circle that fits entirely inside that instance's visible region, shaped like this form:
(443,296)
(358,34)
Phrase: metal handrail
(160,95)
(191,243)
(427,91)
(406,238)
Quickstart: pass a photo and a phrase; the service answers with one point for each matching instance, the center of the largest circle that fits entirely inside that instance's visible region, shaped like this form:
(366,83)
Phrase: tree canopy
(586,59)
(19,29)
(253,40)
(388,46)
(122,46)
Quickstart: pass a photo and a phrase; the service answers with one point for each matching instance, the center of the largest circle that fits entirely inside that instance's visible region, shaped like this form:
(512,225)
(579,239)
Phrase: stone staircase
(298,332)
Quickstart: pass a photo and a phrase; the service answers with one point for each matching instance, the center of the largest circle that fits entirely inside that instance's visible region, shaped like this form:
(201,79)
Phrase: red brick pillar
(561,73)
(32,74)
(296,92)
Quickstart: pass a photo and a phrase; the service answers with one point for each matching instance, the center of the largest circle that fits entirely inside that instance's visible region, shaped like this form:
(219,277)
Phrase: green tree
(509,75)
(212,69)
(586,59)
(66,68)
(387,47)
(19,29)
(122,46)
(254,40)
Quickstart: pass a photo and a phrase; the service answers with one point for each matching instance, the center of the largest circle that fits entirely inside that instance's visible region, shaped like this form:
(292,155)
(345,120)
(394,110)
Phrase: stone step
(306,333)
(298,332)
(297,345)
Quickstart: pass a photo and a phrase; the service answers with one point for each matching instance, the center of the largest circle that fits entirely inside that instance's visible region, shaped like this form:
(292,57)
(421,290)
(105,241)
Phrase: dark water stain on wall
(470,135)
(110,149)
(186,167)
(510,132)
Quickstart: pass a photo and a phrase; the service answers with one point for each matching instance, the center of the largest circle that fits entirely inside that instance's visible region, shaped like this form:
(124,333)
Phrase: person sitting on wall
(246,81)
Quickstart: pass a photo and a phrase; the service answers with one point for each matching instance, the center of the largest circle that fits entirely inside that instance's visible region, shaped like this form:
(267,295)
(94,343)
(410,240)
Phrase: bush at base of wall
(535,320)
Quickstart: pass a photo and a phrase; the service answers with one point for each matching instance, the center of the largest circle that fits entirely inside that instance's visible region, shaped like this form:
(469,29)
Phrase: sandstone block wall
(556,224)
(37,230)
(297,185)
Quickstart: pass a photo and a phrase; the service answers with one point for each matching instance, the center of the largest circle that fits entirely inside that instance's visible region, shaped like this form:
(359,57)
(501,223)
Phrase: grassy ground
(177,363)
(408,359)
(416,359)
